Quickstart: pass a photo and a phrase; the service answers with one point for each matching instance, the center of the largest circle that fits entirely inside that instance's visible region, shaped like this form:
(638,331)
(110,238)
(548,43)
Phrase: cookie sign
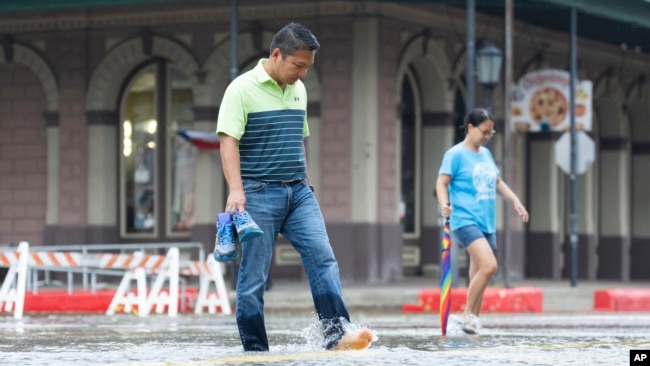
(540,102)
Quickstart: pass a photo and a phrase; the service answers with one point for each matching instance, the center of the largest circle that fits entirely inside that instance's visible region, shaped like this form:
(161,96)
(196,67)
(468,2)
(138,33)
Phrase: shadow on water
(406,339)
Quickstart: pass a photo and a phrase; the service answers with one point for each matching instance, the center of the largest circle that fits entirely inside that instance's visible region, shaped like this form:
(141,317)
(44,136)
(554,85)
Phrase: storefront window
(157,167)
(182,153)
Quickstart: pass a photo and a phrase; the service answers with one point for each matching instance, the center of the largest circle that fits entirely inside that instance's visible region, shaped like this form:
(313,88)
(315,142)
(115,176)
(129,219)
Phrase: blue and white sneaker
(225,246)
(245,225)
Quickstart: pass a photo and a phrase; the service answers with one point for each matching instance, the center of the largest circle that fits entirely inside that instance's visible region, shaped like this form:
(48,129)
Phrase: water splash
(455,326)
(314,333)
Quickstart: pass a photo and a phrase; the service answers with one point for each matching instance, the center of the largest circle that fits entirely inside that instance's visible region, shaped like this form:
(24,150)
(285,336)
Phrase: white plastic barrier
(136,267)
(168,269)
(169,299)
(123,298)
(210,272)
(12,292)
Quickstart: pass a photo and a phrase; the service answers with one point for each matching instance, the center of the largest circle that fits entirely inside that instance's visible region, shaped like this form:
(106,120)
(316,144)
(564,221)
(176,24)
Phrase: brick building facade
(90,100)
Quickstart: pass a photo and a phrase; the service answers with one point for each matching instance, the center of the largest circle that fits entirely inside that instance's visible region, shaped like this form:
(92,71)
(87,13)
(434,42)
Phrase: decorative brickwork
(23,166)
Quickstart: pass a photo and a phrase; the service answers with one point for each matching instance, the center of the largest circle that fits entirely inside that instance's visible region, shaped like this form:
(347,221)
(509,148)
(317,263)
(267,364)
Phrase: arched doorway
(426,131)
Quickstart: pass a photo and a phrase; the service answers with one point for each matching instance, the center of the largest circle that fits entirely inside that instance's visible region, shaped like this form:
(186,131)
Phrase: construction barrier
(210,273)
(496,300)
(12,292)
(622,299)
(137,266)
(134,267)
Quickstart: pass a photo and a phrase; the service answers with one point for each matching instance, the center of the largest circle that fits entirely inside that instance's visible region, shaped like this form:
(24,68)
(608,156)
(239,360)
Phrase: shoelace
(227,235)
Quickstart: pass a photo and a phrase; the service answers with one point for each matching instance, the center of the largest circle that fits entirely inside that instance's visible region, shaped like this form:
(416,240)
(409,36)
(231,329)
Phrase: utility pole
(573,190)
(507,144)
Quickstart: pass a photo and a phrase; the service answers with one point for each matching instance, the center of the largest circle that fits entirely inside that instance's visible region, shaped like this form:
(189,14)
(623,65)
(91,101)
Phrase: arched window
(410,175)
(156,165)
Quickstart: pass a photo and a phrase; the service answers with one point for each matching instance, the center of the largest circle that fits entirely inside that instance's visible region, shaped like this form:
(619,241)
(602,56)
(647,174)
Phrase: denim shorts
(466,235)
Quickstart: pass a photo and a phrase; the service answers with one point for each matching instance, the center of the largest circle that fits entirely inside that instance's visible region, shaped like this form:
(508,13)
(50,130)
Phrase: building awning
(632,12)
(625,23)
(31,5)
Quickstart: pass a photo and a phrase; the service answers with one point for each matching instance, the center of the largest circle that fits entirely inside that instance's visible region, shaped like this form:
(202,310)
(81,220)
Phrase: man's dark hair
(293,37)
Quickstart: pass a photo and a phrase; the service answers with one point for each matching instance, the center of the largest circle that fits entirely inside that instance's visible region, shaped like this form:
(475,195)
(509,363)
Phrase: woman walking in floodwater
(467,184)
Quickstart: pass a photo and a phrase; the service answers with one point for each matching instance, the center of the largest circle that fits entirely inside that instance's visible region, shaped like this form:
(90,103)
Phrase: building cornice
(92,19)
(436,17)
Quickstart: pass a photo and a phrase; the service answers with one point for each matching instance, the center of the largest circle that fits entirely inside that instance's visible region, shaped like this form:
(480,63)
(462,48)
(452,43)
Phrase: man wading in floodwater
(262,123)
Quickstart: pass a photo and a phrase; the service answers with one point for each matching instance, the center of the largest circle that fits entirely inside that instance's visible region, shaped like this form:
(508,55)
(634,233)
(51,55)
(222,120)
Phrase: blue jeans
(292,210)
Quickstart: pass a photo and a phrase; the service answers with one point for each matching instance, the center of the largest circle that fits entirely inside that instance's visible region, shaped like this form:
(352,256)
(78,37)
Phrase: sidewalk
(558,296)
(285,295)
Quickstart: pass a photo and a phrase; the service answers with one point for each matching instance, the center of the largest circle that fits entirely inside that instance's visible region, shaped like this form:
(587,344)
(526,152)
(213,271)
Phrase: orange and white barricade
(137,266)
(12,292)
(126,301)
(209,272)
(169,299)
(55,259)
(18,262)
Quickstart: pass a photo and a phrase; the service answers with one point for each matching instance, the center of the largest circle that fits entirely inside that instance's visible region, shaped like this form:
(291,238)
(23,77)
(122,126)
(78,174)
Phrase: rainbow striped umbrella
(445,278)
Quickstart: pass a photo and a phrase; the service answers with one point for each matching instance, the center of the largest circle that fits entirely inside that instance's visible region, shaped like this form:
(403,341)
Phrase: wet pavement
(407,339)
(567,332)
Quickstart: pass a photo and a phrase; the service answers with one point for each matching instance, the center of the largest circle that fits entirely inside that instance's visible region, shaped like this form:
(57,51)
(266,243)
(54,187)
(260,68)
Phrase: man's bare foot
(355,340)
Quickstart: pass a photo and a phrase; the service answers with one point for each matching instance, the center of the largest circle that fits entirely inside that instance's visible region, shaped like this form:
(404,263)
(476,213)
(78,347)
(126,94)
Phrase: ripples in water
(406,339)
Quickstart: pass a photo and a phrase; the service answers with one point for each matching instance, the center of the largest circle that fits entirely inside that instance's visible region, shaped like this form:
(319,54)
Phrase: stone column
(365,235)
(73,150)
(639,247)
(614,172)
(516,251)
(544,243)
(438,133)
(365,97)
(639,207)
(52,211)
(102,177)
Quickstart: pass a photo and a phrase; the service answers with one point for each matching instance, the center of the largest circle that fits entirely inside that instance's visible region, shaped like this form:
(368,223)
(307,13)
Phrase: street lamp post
(488,70)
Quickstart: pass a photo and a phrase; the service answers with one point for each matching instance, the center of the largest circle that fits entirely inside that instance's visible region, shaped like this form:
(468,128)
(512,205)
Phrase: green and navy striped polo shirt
(269,123)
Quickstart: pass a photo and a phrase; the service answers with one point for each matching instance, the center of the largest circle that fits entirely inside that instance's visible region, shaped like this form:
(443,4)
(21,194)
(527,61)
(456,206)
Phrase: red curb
(623,299)
(52,301)
(61,301)
(495,300)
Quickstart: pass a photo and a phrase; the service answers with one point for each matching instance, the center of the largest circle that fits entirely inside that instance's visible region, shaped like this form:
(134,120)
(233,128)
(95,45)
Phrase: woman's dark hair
(476,117)
(293,37)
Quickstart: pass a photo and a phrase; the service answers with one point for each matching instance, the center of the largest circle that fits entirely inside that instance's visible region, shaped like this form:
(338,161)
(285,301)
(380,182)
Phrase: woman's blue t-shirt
(472,190)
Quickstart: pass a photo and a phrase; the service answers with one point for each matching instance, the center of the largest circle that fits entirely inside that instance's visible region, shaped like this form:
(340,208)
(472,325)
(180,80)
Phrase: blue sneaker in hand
(225,248)
(246,227)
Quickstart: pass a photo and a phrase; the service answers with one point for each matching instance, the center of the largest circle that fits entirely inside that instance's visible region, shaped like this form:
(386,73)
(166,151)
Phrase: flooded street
(406,339)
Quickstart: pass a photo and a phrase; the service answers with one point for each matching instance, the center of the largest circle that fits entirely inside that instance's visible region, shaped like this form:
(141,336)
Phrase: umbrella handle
(446,224)
(447,218)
